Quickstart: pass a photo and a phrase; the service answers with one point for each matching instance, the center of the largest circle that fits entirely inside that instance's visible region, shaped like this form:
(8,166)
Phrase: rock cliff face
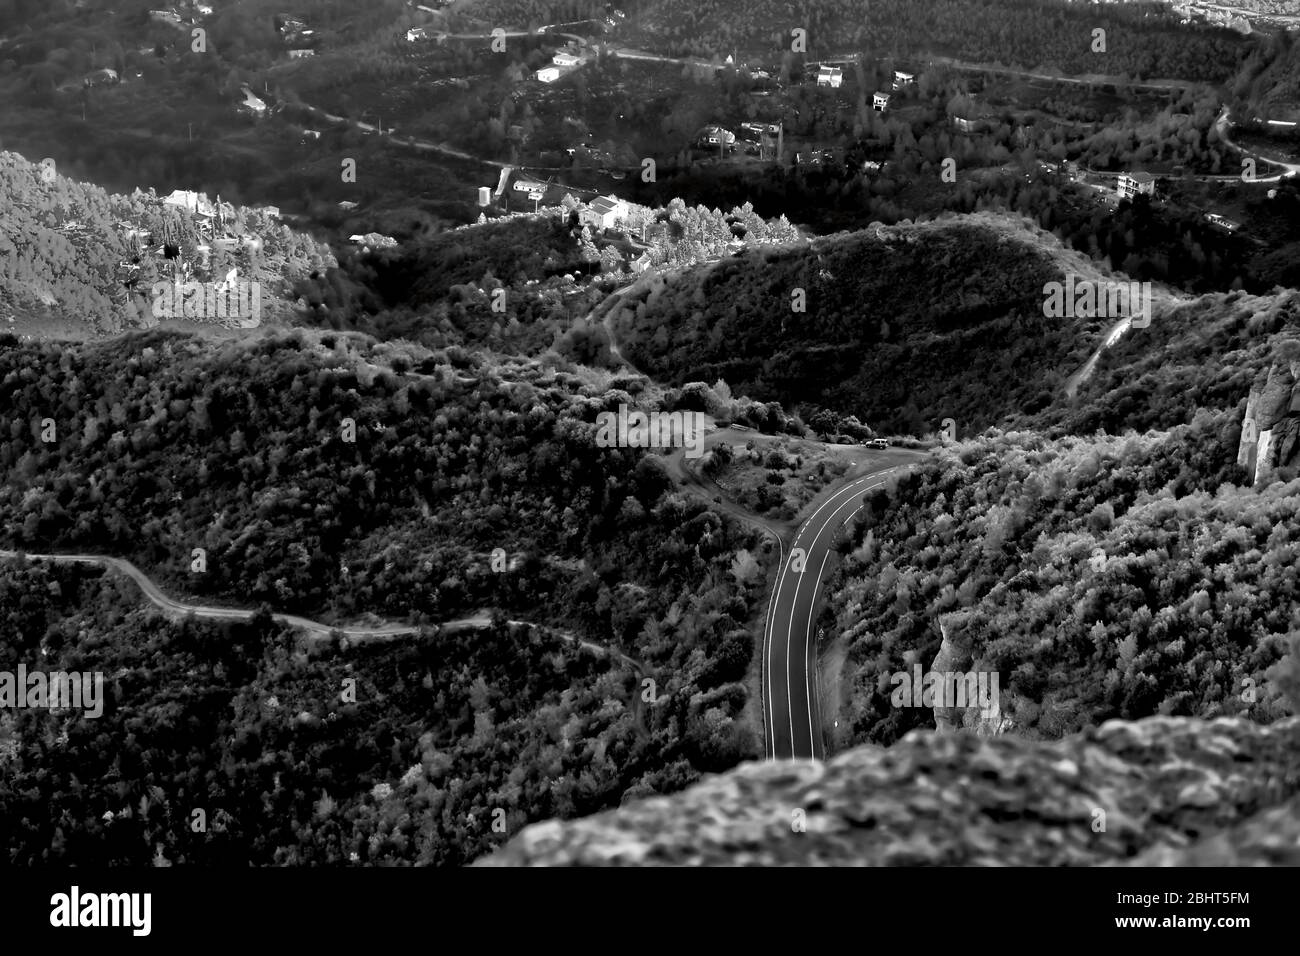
(1270,432)
(955,654)
(1160,791)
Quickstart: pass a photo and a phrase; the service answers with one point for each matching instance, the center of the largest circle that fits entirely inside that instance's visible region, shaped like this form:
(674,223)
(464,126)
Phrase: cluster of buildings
(832,77)
(601,213)
(563,62)
(1213,13)
(214,223)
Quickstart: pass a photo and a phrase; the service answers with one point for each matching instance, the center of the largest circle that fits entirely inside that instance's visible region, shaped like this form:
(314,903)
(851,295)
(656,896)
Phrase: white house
(880,102)
(566,59)
(252,103)
(548,74)
(415,34)
(902,79)
(831,76)
(528,186)
(194,202)
(1131,184)
(299,54)
(603,212)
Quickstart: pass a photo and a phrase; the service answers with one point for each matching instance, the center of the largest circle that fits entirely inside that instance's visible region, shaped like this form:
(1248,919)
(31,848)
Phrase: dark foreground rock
(1174,791)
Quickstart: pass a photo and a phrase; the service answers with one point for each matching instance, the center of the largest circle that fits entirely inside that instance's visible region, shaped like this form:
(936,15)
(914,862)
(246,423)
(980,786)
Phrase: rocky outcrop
(1269,838)
(1270,431)
(955,656)
(1158,791)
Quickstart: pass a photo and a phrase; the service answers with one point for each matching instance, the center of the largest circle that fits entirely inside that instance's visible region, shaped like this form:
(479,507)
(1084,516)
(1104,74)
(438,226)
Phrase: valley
(451,428)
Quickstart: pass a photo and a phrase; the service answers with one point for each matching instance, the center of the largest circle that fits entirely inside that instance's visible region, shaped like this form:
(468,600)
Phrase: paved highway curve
(792,708)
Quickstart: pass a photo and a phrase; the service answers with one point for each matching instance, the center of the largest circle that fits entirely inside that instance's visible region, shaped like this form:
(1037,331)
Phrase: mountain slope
(901,326)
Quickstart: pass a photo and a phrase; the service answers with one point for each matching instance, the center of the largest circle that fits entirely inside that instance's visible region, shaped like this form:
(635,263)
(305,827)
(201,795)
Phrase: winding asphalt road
(790,700)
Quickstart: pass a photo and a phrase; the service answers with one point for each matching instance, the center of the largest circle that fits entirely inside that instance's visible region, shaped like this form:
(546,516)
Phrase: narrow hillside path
(316,629)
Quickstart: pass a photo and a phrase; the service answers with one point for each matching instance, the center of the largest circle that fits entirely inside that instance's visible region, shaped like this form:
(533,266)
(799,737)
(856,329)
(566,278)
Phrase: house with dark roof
(603,212)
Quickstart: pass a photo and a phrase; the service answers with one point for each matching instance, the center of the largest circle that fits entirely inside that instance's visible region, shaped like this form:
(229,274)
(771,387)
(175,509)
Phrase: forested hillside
(1205,355)
(160,444)
(421,449)
(902,328)
(1083,574)
(445,745)
(524,285)
(68,251)
(1142,40)
(1126,573)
